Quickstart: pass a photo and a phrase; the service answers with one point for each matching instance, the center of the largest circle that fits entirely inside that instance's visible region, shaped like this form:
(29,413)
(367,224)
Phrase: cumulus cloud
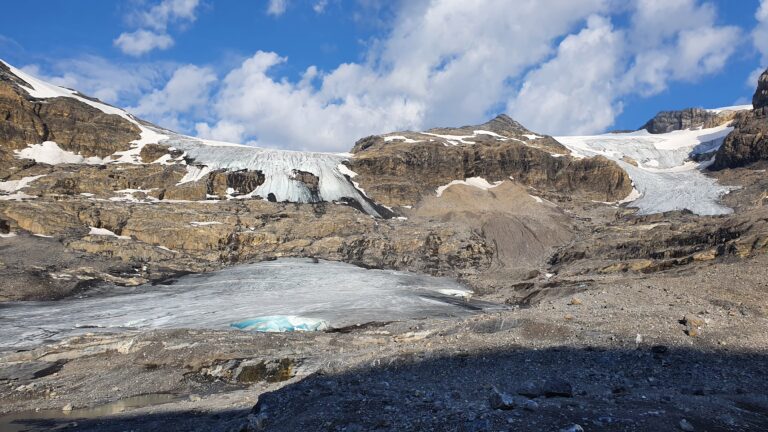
(277,7)
(574,91)
(153,23)
(559,66)
(184,96)
(760,36)
(142,41)
(667,41)
(424,74)
(114,83)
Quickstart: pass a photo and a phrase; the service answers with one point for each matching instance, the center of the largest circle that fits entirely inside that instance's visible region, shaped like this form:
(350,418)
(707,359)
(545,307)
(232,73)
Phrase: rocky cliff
(748,143)
(400,169)
(668,121)
(75,126)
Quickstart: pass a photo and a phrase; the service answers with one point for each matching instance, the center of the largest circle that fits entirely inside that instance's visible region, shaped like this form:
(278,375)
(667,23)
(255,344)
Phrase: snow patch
(401,138)
(16,185)
(50,153)
(477,182)
(105,232)
(532,136)
(199,224)
(731,108)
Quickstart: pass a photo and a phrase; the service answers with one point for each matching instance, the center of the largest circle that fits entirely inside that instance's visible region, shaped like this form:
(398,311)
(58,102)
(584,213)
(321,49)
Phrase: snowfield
(665,177)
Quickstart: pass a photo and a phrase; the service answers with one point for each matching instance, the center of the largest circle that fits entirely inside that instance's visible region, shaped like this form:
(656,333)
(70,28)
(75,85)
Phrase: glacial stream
(276,294)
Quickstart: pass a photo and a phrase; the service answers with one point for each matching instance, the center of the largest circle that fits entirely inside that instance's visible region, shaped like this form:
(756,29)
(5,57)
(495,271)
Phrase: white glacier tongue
(280,169)
(665,178)
(268,296)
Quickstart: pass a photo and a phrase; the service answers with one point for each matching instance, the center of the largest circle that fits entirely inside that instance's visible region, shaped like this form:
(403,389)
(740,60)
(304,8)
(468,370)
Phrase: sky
(320,74)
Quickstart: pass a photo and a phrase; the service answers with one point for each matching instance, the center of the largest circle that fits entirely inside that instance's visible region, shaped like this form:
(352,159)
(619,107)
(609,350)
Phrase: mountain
(565,262)
(748,144)
(447,201)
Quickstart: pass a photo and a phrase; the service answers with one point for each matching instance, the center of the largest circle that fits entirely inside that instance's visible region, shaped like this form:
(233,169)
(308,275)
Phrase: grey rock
(28,370)
(760,99)
(668,121)
(686,426)
(501,401)
(572,428)
(557,387)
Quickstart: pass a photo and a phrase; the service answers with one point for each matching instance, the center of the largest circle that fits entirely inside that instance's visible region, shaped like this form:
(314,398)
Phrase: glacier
(278,166)
(665,178)
(268,296)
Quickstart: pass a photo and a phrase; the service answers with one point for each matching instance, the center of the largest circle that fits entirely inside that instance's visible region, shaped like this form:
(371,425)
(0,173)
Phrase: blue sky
(318,74)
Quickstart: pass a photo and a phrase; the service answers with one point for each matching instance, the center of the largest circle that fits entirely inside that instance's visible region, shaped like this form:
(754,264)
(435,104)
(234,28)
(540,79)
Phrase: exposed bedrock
(690,118)
(748,143)
(75,126)
(661,241)
(400,173)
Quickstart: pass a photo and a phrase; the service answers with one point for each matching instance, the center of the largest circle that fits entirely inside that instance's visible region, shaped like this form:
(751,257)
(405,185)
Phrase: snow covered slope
(280,168)
(661,167)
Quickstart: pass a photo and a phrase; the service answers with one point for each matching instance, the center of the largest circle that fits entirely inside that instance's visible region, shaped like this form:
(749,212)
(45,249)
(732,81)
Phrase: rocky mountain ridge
(143,178)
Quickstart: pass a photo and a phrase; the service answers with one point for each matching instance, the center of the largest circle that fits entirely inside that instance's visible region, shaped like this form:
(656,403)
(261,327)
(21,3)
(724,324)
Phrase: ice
(337,293)
(477,182)
(281,323)
(666,178)
(279,167)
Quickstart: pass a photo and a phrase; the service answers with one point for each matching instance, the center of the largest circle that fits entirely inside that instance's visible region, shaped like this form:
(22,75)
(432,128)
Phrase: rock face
(748,143)
(760,99)
(400,169)
(75,126)
(668,121)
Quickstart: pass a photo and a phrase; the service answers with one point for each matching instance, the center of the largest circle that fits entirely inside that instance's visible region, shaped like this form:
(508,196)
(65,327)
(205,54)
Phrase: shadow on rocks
(558,389)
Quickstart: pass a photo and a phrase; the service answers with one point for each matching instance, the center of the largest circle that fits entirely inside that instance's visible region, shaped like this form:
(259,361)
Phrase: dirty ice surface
(337,293)
(665,178)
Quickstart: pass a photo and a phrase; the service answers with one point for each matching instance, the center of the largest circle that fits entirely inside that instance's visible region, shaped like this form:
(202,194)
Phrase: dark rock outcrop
(668,121)
(401,173)
(760,99)
(748,143)
(73,125)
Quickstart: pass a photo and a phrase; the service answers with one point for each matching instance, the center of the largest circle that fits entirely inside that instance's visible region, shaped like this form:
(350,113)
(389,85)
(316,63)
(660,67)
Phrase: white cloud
(573,92)
(320,5)
(114,83)
(184,96)
(153,23)
(444,63)
(159,16)
(558,66)
(760,33)
(277,7)
(142,41)
(580,90)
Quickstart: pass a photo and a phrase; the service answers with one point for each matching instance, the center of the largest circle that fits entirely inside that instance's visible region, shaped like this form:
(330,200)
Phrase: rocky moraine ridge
(556,234)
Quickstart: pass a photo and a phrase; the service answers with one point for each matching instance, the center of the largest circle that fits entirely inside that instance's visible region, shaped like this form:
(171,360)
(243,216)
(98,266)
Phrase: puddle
(44,420)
